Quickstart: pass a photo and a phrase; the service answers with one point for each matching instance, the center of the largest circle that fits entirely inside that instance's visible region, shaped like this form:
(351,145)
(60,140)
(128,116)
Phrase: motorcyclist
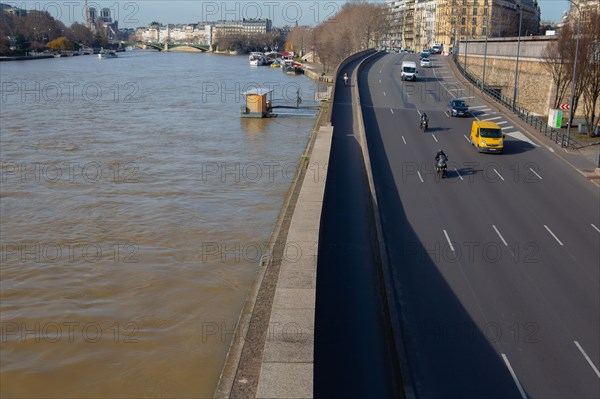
(424,119)
(345,79)
(441,155)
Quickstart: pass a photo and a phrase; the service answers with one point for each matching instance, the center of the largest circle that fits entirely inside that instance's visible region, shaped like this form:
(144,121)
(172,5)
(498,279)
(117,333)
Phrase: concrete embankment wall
(272,352)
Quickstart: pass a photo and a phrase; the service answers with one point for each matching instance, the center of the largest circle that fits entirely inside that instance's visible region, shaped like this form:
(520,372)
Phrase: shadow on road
(352,355)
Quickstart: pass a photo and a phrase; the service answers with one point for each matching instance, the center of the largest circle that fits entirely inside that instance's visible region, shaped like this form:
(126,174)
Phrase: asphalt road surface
(352,351)
(496,266)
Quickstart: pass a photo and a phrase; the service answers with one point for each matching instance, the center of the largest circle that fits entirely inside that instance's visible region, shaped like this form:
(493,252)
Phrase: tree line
(357,26)
(38,30)
(245,43)
(559,62)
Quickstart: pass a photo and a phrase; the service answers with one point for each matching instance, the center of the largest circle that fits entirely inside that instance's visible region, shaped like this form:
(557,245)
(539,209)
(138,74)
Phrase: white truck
(408,71)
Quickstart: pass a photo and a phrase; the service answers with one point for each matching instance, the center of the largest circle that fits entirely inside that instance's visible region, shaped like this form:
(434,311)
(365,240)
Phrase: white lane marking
(498,173)
(466,138)
(379,71)
(500,235)
(550,148)
(379,80)
(448,239)
(435,138)
(587,358)
(501,123)
(553,235)
(493,119)
(520,136)
(458,173)
(594,226)
(420,177)
(392,110)
(385,95)
(403,140)
(535,173)
(480,106)
(419,112)
(514,376)
(454,89)
(467,98)
(507,127)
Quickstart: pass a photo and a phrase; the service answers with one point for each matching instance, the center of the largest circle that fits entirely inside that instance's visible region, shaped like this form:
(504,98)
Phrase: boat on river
(107,54)
(257,59)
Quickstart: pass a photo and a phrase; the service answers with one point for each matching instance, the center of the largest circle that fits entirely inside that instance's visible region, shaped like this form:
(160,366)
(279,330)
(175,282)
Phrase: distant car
(458,107)
(425,54)
(426,63)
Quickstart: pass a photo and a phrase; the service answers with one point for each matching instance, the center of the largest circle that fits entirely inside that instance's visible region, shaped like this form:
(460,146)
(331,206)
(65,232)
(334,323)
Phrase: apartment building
(418,24)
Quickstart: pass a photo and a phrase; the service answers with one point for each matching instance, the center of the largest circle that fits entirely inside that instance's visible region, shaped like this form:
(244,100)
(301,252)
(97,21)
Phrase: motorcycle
(441,165)
(424,125)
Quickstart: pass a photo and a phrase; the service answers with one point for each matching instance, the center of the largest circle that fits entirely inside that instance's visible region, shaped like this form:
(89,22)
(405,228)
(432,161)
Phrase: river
(135,203)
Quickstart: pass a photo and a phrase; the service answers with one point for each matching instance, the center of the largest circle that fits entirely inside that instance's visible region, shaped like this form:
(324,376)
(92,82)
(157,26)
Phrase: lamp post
(484,55)
(574,71)
(520,7)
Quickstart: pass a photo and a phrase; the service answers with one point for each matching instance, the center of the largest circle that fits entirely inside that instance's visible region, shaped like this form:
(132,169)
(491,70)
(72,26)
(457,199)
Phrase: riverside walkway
(314,324)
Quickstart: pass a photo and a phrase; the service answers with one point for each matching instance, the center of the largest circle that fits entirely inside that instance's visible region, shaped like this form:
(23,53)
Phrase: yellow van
(487,137)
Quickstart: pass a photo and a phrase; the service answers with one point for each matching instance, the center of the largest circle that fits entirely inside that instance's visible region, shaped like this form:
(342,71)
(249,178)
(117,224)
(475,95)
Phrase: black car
(424,54)
(457,107)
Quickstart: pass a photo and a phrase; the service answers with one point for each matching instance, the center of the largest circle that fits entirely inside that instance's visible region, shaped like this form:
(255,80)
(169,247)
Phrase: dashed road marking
(592,365)
(500,235)
(458,173)
(448,239)
(514,376)
(535,173)
(403,140)
(420,177)
(553,235)
(498,173)
(594,226)
(435,138)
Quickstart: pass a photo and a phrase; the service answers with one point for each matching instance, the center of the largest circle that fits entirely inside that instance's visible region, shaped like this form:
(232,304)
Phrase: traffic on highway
(494,261)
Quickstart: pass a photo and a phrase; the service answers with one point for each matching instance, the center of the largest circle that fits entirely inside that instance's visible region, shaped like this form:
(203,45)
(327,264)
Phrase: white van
(409,70)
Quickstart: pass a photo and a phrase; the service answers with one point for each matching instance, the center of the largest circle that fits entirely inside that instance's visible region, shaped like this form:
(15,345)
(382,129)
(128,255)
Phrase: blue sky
(131,14)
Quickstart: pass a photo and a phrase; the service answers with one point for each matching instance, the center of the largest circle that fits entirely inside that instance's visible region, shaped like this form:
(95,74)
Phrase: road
(352,355)
(495,267)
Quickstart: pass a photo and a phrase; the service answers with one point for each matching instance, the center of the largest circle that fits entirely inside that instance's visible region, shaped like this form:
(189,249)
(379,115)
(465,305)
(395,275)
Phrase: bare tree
(591,71)
(556,64)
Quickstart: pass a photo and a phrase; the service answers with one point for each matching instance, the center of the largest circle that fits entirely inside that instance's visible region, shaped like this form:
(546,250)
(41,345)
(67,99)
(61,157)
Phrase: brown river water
(134,206)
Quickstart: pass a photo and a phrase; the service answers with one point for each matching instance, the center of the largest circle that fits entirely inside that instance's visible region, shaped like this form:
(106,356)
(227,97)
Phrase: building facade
(418,24)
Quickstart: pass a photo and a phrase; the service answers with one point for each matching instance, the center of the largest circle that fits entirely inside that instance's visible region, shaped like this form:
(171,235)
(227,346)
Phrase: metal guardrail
(527,116)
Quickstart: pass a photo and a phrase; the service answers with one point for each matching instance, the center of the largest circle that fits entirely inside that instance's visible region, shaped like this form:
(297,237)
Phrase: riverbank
(272,351)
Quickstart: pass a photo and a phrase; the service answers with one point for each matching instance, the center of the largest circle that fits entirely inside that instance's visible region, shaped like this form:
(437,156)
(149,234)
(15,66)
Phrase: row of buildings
(419,24)
(203,33)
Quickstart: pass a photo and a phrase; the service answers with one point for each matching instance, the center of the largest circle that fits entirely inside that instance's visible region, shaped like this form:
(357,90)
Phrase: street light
(574,71)
(484,54)
(520,7)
